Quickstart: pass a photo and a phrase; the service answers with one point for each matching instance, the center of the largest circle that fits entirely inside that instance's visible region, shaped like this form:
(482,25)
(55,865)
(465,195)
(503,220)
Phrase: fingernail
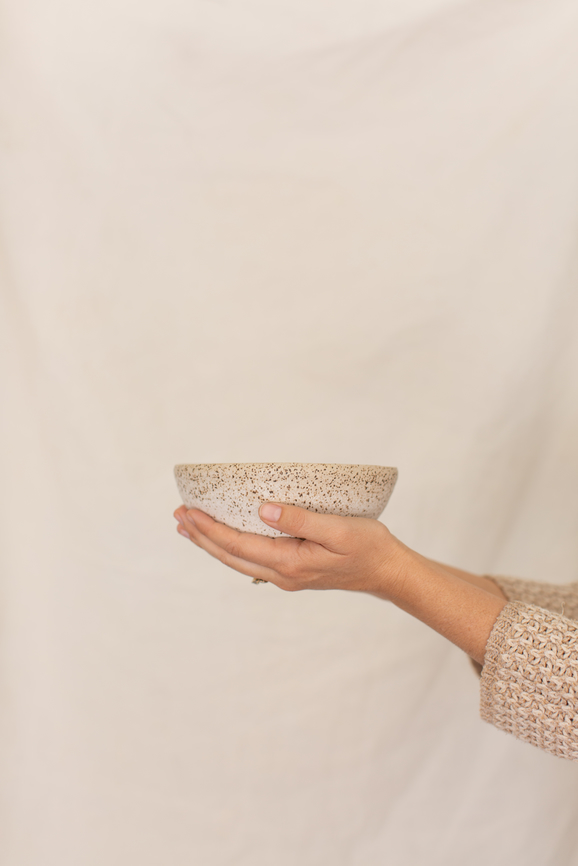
(179,518)
(183,532)
(270,512)
(190,518)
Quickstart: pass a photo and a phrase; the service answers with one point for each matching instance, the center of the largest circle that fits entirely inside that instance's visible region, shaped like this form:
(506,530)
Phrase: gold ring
(259,580)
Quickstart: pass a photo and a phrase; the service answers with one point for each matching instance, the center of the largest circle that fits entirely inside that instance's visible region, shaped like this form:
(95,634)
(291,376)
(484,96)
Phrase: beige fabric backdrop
(286,230)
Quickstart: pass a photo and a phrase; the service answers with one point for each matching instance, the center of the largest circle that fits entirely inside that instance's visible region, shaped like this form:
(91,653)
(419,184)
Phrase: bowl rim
(271,463)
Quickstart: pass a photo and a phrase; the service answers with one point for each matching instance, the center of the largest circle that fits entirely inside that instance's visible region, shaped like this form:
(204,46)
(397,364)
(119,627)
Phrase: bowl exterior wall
(233,492)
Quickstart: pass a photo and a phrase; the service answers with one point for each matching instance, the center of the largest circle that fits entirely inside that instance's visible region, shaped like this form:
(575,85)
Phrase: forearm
(325,551)
(475,579)
(463,611)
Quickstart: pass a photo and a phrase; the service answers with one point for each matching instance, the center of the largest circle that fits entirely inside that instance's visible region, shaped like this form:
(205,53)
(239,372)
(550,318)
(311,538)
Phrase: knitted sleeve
(529,683)
(559,598)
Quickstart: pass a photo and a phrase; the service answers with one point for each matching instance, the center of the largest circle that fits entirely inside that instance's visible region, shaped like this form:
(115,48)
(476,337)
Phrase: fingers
(271,553)
(328,530)
(180,515)
(241,565)
(327,552)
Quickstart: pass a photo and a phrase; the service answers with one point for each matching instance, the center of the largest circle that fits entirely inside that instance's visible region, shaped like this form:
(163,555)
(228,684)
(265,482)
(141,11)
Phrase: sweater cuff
(529,684)
(559,598)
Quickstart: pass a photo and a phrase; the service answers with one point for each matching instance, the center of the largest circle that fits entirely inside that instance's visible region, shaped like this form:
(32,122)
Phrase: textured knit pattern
(529,684)
(559,598)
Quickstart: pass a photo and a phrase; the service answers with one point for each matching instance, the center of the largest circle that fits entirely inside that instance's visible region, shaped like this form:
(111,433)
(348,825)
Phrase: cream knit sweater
(529,680)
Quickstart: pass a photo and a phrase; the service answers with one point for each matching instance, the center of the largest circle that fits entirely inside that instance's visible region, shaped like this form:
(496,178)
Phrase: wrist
(398,566)
(460,611)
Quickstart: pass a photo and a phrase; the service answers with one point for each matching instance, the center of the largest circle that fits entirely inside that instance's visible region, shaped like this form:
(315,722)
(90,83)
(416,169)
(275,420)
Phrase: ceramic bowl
(232,492)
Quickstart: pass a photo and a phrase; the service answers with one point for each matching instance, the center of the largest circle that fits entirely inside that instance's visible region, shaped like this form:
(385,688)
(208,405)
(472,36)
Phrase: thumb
(300,523)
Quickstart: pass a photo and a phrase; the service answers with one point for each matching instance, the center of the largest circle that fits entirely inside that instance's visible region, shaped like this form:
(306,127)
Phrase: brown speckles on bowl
(232,492)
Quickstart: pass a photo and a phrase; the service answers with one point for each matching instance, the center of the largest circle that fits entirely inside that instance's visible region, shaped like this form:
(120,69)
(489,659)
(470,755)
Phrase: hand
(325,552)
(353,553)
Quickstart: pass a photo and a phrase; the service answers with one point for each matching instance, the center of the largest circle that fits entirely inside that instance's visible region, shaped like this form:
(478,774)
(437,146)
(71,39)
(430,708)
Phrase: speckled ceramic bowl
(232,492)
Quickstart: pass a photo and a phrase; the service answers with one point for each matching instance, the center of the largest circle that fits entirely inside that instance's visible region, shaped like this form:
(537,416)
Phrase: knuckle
(289,586)
(291,570)
(345,528)
(298,521)
(222,556)
(234,548)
